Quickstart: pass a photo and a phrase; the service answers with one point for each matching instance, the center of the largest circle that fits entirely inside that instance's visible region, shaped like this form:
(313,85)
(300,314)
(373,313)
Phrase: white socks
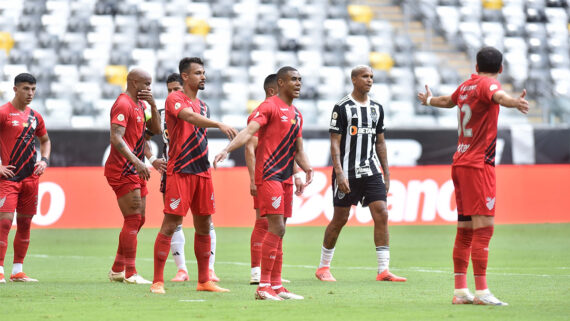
(212,246)
(383,256)
(1,270)
(17,268)
(326,257)
(177,248)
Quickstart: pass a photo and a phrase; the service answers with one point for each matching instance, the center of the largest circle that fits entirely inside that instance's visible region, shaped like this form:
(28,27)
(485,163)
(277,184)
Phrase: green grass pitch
(529,268)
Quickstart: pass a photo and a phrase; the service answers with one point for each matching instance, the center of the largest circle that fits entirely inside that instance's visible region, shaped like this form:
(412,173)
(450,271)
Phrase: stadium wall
(79,197)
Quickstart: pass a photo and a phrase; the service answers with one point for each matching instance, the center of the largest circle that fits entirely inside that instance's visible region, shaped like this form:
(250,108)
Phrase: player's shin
(202,249)
(161,249)
(480,254)
(461,253)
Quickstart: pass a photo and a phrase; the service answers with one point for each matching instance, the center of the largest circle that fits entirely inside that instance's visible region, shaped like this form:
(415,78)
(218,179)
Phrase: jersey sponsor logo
(284,109)
(362,170)
(177,106)
(362,131)
(2,200)
(174,203)
(120,117)
(276,202)
(468,88)
(493,87)
(333,122)
(334,128)
(490,203)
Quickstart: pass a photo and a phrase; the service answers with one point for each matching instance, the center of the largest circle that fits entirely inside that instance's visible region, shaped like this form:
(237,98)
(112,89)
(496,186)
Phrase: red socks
(128,243)
(5,226)
(257,235)
(480,255)
(277,266)
(461,252)
(22,239)
(268,256)
(161,250)
(202,249)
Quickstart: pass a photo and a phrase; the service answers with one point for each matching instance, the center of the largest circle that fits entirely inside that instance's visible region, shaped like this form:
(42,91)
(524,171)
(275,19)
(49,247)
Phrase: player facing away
(174,83)
(125,170)
(260,227)
(20,171)
(358,150)
(188,177)
(279,127)
(473,169)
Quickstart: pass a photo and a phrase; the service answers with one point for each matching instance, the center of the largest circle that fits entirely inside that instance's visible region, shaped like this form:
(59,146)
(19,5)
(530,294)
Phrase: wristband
(428,100)
(44,159)
(298,175)
(152,159)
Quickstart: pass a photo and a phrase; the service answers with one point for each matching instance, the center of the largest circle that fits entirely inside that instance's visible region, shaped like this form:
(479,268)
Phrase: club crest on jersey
(276,202)
(293,121)
(177,106)
(120,117)
(174,203)
(334,115)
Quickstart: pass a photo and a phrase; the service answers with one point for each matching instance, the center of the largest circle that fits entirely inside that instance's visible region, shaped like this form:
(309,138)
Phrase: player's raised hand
(143,171)
(423,96)
(146,95)
(522,104)
(228,130)
(220,157)
(160,165)
(7,171)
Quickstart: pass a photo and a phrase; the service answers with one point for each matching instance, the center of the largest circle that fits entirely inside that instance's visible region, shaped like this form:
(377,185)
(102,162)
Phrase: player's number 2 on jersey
(464,115)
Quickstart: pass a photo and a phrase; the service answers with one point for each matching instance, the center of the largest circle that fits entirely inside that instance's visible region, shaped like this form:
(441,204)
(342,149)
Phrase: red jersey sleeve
(262,114)
(174,103)
(40,126)
(489,87)
(120,112)
(455,95)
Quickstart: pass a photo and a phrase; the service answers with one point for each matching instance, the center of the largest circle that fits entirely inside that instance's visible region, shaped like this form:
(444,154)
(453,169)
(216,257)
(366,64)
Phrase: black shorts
(365,190)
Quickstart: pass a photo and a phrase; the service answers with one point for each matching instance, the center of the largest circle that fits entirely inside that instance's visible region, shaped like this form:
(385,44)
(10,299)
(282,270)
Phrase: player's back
(478,117)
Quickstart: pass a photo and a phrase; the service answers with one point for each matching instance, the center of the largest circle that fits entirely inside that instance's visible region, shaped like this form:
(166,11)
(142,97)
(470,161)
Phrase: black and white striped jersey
(358,124)
(162,114)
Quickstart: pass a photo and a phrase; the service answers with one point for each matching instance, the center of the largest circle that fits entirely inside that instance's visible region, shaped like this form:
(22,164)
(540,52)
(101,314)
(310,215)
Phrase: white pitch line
(191,300)
(312,267)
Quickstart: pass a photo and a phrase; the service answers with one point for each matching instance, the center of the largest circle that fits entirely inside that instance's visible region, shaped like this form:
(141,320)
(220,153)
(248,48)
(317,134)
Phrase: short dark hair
(283,71)
(174,77)
(186,62)
(270,80)
(24,77)
(489,59)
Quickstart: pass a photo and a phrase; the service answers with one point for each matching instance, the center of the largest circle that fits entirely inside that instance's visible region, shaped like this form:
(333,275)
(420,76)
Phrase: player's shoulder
(4,108)
(175,96)
(344,102)
(375,103)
